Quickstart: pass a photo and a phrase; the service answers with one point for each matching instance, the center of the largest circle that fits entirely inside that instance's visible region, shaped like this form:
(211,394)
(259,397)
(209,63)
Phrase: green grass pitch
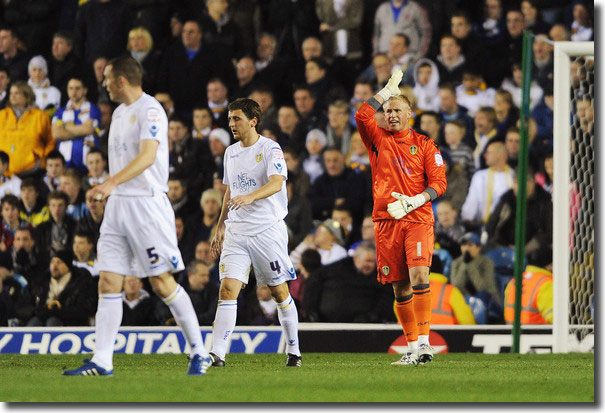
(331,377)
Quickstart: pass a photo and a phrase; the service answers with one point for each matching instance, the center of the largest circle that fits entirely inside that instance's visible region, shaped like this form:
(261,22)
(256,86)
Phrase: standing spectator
(509,50)
(426,80)
(220,31)
(451,62)
(102,29)
(33,207)
(63,297)
(140,48)
(25,132)
(63,65)
(340,24)
(56,234)
(346,292)
(493,27)
(488,185)
(76,126)
(471,46)
(12,57)
(137,304)
(216,91)
(581,27)
(338,186)
(48,97)
(473,273)
(400,16)
(71,185)
(8,184)
(533,18)
(186,68)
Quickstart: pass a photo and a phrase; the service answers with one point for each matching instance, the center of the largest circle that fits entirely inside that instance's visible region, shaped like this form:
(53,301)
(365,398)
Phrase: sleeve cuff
(374,103)
(432,193)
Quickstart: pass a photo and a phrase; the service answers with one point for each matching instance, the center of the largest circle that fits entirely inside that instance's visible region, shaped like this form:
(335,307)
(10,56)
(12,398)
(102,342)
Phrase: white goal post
(564,52)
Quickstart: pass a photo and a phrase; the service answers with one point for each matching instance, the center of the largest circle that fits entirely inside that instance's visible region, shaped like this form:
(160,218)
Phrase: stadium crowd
(309,65)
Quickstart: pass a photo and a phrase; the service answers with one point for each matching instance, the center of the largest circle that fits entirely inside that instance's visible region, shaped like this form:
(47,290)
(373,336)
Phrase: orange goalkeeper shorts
(401,245)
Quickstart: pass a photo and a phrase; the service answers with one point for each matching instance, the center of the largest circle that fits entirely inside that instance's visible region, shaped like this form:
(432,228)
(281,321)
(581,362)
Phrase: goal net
(573,197)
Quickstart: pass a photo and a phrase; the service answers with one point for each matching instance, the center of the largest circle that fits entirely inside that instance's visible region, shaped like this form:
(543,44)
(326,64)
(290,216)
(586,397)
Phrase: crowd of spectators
(309,65)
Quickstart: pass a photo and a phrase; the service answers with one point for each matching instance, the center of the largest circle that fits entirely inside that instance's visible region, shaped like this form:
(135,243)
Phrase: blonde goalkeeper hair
(402,98)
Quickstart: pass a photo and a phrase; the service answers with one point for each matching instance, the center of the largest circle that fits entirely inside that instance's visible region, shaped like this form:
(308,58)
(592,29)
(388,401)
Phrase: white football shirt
(245,171)
(130,124)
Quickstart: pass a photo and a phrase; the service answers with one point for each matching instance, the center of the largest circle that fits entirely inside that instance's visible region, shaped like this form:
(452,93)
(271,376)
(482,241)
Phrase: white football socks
(184,314)
(423,339)
(413,347)
(107,322)
(224,323)
(288,318)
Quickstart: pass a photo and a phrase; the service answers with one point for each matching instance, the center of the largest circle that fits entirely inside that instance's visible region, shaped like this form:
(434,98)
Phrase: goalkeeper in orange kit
(407,174)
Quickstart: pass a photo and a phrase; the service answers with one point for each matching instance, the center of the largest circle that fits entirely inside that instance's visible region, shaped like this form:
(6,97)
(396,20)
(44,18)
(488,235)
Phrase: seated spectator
(98,67)
(22,122)
(539,222)
(203,253)
(358,158)
(581,27)
(338,131)
(367,235)
(559,33)
(351,233)
(65,296)
(315,144)
(287,121)
(448,229)
(472,47)
(473,273)
(32,207)
(48,97)
(91,221)
(507,113)
(184,237)
(218,141)
(299,219)
(137,309)
(55,166)
(10,221)
(84,252)
(4,84)
(202,123)
(310,114)
(487,186)
(472,93)
(293,161)
(10,294)
(203,223)
(12,56)
(533,18)
(166,101)
(271,69)
(426,81)
(511,142)
(543,65)
(451,62)
(245,72)
(220,29)
(26,266)
(347,291)
(316,77)
(190,158)
(266,312)
(493,27)
(140,48)
(97,168)
(536,293)
(57,232)
(459,152)
(457,182)
(401,58)
(8,184)
(430,125)
(485,133)
(545,176)
(181,202)
(216,92)
(76,126)
(542,114)
(362,91)
(265,99)
(339,185)
(515,84)
(450,110)
(71,185)
(328,240)
(310,261)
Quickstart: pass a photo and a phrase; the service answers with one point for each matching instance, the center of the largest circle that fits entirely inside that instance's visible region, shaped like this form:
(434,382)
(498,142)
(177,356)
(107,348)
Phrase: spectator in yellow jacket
(25,131)
(537,291)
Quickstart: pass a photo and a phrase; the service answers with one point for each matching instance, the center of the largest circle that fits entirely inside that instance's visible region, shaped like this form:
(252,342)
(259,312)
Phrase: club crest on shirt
(222,267)
(133,118)
(386,270)
(413,149)
(259,157)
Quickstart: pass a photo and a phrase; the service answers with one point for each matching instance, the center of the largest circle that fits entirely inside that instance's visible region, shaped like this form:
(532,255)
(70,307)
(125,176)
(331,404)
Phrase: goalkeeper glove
(404,204)
(392,87)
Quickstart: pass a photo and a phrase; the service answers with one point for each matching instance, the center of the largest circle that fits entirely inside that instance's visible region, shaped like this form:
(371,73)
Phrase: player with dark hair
(407,174)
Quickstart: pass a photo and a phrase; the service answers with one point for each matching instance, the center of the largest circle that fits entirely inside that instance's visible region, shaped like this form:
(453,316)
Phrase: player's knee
(110,284)
(280,292)
(229,289)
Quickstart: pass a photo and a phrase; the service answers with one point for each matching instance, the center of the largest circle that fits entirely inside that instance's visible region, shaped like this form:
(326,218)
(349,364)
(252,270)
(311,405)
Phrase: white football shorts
(141,227)
(266,253)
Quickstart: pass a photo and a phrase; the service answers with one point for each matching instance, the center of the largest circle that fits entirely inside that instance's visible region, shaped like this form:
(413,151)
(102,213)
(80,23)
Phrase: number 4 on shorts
(275,267)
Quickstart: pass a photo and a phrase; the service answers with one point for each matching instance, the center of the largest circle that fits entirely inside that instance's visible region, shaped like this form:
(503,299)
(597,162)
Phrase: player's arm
(216,245)
(142,161)
(273,186)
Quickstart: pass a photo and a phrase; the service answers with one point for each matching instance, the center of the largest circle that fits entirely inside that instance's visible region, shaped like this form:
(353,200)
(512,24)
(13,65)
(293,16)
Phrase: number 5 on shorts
(153,257)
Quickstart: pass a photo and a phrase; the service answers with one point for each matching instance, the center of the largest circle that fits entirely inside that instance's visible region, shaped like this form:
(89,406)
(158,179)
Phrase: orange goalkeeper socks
(407,319)
(422,308)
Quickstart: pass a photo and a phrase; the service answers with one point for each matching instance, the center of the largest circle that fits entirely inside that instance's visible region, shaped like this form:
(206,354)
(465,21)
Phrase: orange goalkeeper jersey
(405,162)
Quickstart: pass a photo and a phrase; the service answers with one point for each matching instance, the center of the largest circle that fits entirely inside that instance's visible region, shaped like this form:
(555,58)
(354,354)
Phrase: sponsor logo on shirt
(278,155)
(399,161)
(244,183)
(278,166)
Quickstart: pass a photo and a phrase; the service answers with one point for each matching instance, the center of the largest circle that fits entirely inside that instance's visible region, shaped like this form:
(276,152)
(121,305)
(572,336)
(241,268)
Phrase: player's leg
(419,249)
(273,267)
(179,303)
(225,319)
